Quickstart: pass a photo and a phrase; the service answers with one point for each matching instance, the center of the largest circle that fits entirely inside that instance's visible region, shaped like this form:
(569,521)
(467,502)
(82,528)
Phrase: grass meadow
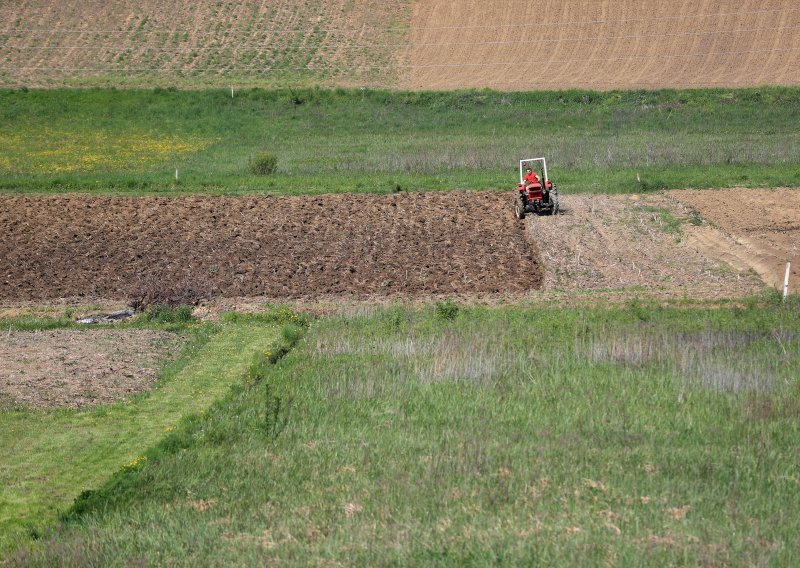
(635,435)
(132,141)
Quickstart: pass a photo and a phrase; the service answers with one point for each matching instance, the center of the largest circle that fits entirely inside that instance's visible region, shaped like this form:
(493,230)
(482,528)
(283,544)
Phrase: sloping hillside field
(414,44)
(288,247)
(177,42)
(603,44)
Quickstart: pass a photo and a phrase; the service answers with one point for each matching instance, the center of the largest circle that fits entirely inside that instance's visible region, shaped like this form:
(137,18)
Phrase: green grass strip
(332,141)
(51,457)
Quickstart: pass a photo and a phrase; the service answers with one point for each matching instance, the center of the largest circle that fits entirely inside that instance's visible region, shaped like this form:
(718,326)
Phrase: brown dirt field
(635,244)
(750,228)
(411,44)
(330,251)
(73,368)
(603,44)
(278,247)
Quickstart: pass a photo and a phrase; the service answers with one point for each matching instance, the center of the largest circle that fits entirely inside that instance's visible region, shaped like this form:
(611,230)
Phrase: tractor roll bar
(524,163)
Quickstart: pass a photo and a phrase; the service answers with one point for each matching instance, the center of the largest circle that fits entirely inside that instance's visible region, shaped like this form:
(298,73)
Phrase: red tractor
(535,192)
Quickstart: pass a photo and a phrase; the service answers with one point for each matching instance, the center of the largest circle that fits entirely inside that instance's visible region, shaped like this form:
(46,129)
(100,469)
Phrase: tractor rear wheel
(554,202)
(519,208)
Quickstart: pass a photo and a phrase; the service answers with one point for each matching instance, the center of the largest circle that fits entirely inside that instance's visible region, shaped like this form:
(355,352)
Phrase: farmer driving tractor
(530,178)
(535,192)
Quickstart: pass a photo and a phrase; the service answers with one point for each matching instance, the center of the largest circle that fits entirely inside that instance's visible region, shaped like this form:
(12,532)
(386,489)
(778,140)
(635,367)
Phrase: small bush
(291,333)
(264,164)
(446,310)
(395,318)
(167,314)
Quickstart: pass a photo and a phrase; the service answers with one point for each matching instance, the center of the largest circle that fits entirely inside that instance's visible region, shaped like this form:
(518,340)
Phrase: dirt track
(755,229)
(288,247)
(603,44)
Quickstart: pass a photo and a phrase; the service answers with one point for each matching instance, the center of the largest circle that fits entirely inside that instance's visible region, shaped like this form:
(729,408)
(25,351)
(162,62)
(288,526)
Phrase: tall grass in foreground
(495,436)
(133,142)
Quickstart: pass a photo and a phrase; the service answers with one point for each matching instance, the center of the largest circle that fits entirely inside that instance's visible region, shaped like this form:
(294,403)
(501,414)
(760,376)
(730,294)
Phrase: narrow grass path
(48,458)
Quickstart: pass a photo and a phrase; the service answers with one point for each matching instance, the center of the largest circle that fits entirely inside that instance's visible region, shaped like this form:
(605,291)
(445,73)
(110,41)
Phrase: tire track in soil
(751,228)
(278,247)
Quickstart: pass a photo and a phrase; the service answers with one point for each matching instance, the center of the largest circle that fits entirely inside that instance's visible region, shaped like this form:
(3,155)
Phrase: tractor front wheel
(519,208)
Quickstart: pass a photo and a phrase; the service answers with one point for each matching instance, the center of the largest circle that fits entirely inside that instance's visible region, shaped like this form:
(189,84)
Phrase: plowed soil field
(287,247)
(412,245)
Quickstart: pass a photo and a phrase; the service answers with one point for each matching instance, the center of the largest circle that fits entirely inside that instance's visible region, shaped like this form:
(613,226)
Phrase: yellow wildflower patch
(136,463)
(53,151)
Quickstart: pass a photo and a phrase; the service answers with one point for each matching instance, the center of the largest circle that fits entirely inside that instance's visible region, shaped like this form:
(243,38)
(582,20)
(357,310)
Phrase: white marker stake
(786,280)
(176,174)
(231,92)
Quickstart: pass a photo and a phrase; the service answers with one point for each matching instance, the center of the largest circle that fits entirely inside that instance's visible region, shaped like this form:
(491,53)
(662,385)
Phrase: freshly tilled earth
(76,368)
(278,247)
